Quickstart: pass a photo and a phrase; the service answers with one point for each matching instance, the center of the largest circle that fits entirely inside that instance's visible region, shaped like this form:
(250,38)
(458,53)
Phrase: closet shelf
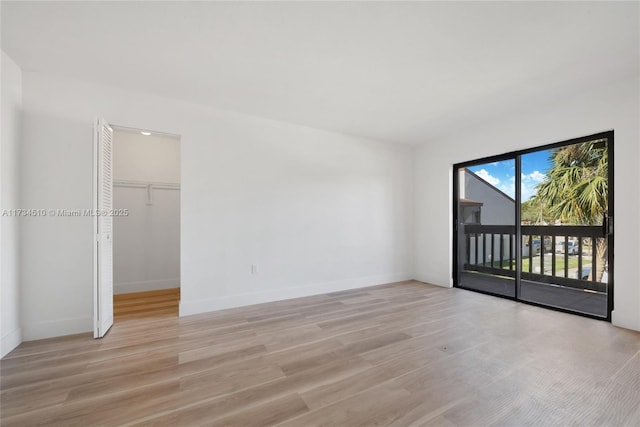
(146,184)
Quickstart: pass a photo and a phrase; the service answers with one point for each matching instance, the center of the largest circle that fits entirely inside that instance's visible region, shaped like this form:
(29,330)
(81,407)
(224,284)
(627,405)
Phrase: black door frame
(516,156)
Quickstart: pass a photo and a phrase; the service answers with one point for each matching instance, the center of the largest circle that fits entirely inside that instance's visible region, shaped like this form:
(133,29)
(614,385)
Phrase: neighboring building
(483,203)
(495,206)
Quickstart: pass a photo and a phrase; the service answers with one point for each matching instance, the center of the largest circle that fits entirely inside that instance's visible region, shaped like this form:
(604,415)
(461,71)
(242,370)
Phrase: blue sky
(502,174)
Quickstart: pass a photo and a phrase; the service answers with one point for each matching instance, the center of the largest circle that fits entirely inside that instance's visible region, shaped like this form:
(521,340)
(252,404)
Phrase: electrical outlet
(254,269)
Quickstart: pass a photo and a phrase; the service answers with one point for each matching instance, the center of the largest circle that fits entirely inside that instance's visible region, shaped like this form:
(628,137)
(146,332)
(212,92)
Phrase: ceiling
(399,72)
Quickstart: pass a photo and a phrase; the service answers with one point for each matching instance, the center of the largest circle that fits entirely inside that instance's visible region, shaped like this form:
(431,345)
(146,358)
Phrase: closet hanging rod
(144,184)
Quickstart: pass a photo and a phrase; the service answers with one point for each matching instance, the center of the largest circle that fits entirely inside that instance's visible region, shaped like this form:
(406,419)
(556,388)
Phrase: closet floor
(161,303)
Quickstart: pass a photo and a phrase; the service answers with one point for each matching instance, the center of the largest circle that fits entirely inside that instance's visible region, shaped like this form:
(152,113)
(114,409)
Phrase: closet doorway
(146,224)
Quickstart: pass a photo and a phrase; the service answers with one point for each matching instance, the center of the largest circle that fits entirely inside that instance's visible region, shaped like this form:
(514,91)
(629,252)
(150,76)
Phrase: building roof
(467,202)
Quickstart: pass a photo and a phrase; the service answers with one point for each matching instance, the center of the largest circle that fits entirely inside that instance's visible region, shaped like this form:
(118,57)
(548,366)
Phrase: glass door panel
(486,210)
(564,202)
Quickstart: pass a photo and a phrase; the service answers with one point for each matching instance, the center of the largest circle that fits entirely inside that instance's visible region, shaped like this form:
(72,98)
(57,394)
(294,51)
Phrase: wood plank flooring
(135,305)
(401,354)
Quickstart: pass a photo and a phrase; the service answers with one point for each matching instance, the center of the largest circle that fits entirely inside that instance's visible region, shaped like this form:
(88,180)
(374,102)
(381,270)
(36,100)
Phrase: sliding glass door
(536,225)
(487,225)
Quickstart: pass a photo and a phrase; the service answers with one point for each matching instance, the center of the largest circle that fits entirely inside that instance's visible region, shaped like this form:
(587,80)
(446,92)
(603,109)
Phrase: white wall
(137,157)
(600,109)
(146,242)
(315,211)
(11,90)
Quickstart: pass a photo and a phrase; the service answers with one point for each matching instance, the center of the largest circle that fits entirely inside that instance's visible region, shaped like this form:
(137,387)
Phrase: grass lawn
(573,263)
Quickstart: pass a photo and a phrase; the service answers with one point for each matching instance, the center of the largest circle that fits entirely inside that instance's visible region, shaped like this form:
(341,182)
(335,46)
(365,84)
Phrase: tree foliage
(535,212)
(576,188)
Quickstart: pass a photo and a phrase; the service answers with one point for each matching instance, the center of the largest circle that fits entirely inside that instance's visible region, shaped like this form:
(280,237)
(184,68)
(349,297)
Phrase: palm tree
(576,189)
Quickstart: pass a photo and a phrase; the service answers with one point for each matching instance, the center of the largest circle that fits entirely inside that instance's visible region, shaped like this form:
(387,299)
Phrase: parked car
(572,248)
(535,244)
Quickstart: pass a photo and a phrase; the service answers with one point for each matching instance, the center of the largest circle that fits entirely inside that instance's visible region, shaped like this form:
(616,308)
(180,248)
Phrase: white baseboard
(149,285)
(213,304)
(9,341)
(624,323)
(56,328)
(433,280)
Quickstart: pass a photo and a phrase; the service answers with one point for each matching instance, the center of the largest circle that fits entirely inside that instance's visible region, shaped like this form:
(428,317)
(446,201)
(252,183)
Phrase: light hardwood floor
(399,354)
(136,305)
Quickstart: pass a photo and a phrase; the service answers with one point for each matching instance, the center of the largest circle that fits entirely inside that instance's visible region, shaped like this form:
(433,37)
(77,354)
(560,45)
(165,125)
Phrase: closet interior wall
(146,190)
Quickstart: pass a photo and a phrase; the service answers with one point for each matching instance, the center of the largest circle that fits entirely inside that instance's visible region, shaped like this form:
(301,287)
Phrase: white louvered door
(103,224)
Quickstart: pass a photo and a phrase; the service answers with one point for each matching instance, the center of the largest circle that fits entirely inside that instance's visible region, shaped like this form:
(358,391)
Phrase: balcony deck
(579,300)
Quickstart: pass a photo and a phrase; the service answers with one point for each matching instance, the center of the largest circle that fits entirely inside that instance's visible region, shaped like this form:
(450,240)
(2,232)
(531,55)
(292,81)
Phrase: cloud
(509,187)
(528,192)
(529,182)
(482,173)
(535,176)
